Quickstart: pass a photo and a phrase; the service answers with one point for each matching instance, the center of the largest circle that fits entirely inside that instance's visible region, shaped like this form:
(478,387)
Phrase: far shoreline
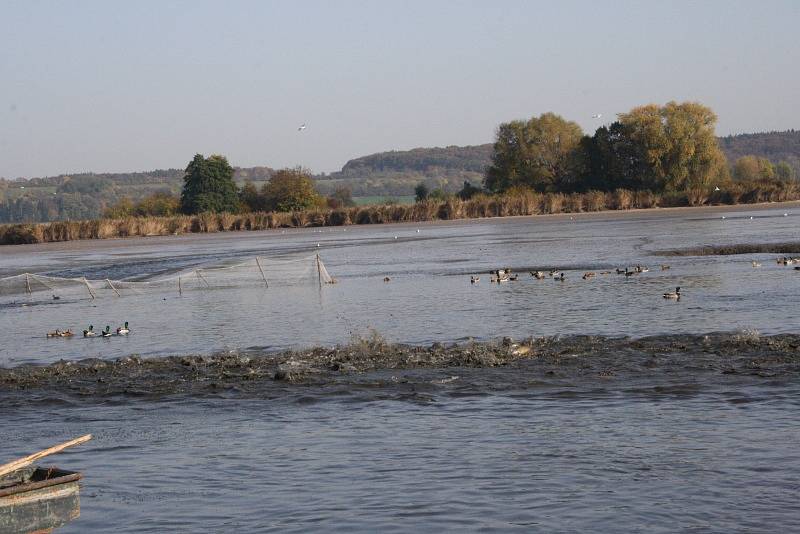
(153,239)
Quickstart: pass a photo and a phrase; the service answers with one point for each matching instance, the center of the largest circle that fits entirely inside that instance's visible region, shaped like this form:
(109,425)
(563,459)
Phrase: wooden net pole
(258,262)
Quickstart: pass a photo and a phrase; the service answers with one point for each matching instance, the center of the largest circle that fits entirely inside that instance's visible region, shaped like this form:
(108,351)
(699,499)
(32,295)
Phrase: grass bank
(513,204)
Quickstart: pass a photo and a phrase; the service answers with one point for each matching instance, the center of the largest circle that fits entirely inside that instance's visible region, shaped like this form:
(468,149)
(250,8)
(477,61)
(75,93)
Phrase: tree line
(663,149)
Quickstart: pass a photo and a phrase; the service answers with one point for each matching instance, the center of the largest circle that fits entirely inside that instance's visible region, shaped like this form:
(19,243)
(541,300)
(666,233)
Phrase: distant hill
(775,146)
(464,158)
(385,174)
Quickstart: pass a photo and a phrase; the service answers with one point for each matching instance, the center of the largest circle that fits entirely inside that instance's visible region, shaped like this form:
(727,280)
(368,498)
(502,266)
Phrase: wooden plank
(28,460)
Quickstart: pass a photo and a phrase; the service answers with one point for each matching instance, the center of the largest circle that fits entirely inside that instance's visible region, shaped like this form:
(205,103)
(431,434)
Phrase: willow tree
(208,186)
(543,153)
(291,190)
(678,144)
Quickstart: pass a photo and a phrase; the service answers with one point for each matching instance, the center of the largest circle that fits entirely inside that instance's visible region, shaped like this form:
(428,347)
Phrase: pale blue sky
(125,86)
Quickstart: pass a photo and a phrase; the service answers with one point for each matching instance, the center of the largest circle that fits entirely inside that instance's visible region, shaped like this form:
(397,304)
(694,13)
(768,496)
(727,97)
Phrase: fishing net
(257,271)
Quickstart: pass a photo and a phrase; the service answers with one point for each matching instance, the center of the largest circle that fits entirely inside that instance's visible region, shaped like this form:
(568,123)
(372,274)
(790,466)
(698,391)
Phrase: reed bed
(514,203)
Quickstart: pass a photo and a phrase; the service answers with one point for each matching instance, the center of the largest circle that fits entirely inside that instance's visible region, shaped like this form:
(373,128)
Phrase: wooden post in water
(197,272)
(28,283)
(91,293)
(112,287)
(319,272)
(258,262)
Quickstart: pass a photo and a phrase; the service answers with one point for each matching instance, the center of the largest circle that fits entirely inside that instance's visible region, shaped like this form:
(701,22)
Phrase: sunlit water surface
(718,456)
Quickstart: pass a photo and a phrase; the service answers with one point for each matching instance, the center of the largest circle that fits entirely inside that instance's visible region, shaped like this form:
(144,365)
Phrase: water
(625,436)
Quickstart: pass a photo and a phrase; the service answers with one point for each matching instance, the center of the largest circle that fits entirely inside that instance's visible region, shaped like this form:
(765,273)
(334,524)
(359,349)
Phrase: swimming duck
(123,330)
(665,267)
(622,271)
(474,279)
(90,332)
(67,333)
(513,277)
(559,277)
(628,273)
(755,263)
(56,297)
(106,332)
(673,294)
(539,275)
(588,275)
(387,279)
(56,333)
(642,269)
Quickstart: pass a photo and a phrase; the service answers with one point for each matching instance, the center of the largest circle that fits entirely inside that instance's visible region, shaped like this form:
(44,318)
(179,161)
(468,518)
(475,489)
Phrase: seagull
(301,127)
(597,116)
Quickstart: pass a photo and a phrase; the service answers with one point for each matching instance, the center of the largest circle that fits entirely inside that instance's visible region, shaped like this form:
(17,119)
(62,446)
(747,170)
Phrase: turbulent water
(606,407)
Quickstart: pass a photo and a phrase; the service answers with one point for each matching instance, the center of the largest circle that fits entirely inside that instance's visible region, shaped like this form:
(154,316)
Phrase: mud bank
(730,250)
(577,360)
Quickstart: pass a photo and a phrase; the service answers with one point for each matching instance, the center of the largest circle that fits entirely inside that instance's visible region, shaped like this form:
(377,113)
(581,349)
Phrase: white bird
(301,127)
(716,188)
(597,116)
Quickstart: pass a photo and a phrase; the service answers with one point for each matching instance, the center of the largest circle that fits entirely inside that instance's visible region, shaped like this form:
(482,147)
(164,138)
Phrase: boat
(38,499)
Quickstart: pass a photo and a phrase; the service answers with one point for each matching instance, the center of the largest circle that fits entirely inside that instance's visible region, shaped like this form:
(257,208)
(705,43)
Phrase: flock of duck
(89,332)
(499,276)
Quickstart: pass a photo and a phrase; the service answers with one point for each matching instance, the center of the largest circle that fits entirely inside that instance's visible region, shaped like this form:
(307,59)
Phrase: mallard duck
(673,294)
(106,332)
(642,269)
(588,275)
(474,279)
(90,332)
(67,333)
(559,277)
(539,275)
(123,330)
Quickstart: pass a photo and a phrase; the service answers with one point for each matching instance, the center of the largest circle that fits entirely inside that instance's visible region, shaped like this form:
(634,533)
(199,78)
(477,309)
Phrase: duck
(387,279)
(90,332)
(513,277)
(474,279)
(56,297)
(642,269)
(123,330)
(67,333)
(588,275)
(754,263)
(665,267)
(106,332)
(56,333)
(603,273)
(539,275)
(559,277)
(628,273)
(673,294)
(622,271)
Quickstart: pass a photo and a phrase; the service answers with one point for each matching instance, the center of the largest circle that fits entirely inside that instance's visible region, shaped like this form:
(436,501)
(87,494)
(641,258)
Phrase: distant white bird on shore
(301,127)
(716,188)
(597,116)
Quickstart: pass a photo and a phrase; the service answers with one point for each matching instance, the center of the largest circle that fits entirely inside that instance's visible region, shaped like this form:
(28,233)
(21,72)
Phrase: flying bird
(301,127)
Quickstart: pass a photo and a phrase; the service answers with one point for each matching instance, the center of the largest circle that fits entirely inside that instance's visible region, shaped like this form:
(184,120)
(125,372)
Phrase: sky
(113,86)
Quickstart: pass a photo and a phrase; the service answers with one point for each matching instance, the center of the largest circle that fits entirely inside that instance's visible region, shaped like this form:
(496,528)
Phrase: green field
(371,201)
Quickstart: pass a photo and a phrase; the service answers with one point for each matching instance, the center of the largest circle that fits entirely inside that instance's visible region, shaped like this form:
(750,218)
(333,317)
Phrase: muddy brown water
(631,413)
